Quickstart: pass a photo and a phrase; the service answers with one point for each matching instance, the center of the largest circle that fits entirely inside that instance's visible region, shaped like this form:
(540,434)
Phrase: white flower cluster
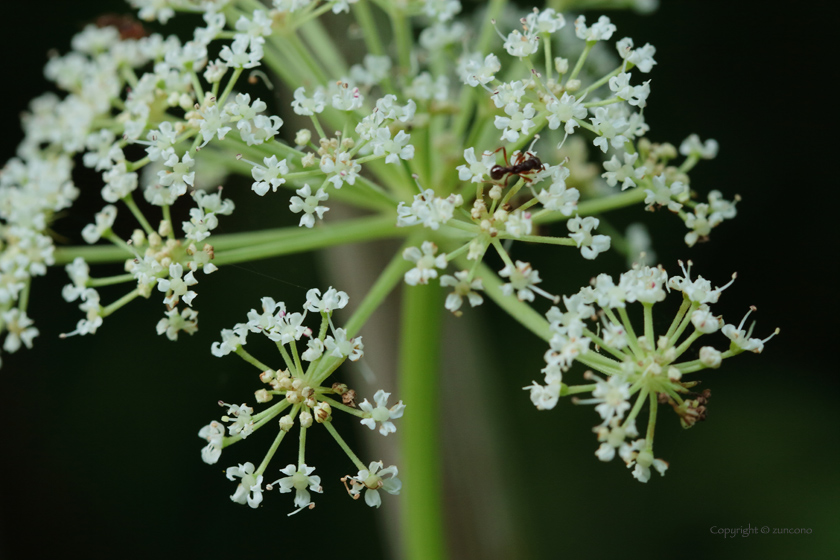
(301,393)
(644,366)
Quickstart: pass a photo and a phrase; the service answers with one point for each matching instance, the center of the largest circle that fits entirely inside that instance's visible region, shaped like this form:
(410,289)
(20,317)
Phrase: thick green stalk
(236,247)
(519,310)
(316,238)
(419,382)
(387,281)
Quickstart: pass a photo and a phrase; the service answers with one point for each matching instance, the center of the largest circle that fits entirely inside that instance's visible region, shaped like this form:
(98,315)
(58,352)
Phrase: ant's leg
(504,153)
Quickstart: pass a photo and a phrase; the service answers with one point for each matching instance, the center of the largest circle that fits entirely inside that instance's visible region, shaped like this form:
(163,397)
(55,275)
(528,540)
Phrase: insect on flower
(523,165)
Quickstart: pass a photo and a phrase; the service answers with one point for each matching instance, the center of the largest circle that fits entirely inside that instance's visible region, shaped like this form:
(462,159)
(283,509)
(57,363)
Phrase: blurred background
(101,454)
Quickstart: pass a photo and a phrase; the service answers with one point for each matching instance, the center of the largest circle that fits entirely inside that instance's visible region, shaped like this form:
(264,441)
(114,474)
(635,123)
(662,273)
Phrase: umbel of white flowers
(303,396)
(644,367)
(459,159)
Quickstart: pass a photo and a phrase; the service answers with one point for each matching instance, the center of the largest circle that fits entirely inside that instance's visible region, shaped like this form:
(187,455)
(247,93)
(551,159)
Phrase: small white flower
(567,110)
(741,339)
(463,288)
(302,481)
(19,330)
(372,480)
(231,340)
(372,71)
(341,167)
(381,414)
(308,106)
(243,52)
(508,92)
(517,122)
(609,127)
(250,487)
(329,302)
(626,172)
(239,416)
(176,321)
(180,176)
(475,170)
(214,433)
(613,438)
(425,261)
(693,146)
(546,21)
(710,357)
(544,397)
(519,45)
(118,182)
(602,30)
(160,140)
(269,176)
(518,224)
(393,149)
(663,195)
(645,284)
(643,461)
(314,350)
(474,70)
(441,10)
(104,220)
(611,396)
(429,210)
(523,281)
(341,347)
(590,245)
(176,286)
(347,98)
(309,204)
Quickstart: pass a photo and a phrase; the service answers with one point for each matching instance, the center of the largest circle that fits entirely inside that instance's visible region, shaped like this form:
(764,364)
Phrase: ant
(523,163)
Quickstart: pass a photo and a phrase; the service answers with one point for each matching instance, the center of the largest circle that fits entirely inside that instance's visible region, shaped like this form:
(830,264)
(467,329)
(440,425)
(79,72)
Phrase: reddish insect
(523,165)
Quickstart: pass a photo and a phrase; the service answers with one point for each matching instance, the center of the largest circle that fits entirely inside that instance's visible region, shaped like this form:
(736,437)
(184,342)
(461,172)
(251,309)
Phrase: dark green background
(100,457)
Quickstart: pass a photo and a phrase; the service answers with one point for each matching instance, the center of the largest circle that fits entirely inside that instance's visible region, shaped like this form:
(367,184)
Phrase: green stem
(91,255)
(106,311)
(343,445)
(270,454)
(245,355)
(519,310)
(129,201)
(648,307)
(581,60)
(364,229)
(109,280)
(404,37)
(422,520)
(387,281)
(594,206)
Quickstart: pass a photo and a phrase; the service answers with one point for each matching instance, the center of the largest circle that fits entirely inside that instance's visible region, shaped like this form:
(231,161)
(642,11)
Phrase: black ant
(523,164)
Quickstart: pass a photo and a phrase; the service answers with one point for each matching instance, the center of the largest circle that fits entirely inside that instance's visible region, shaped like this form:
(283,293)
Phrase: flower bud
(322,412)
(573,85)
(704,321)
(286,423)
(561,64)
(263,396)
(710,357)
(305,419)
(138,237)
(303,136)
(267,376)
